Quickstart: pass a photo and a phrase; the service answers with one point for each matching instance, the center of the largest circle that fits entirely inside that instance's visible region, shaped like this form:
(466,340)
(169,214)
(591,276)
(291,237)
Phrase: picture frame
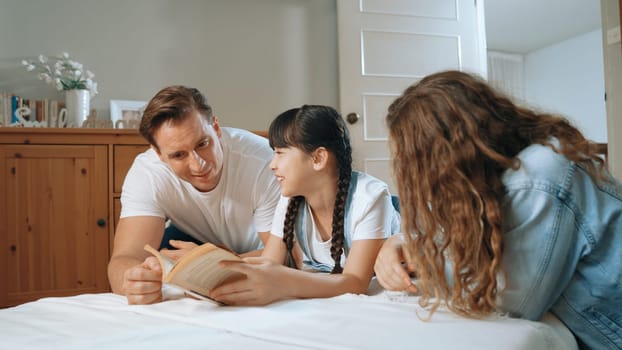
(126,114)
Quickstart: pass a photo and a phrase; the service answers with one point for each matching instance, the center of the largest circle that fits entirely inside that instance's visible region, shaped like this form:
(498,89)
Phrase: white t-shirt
(241,205)
(371,214)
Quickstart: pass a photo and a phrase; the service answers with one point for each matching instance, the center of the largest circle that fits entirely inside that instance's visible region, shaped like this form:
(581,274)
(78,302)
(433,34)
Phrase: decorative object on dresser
(16,111)
(93,122)
(77,103)
(126,114)
(69,76)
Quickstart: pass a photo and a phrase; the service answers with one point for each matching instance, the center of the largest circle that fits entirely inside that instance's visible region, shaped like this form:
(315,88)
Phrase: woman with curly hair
(329,219)
(506,209)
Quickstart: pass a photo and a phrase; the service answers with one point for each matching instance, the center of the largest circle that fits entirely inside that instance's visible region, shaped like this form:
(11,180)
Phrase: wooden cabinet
(59,203)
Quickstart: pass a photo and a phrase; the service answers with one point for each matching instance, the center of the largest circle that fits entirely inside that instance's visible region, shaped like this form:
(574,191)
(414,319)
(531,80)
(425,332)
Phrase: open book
(198,272)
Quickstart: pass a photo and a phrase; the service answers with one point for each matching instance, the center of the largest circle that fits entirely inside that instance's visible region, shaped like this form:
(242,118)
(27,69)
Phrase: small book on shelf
(198,271)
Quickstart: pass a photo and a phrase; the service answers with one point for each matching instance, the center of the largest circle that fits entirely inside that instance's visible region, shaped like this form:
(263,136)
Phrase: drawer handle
(101,222)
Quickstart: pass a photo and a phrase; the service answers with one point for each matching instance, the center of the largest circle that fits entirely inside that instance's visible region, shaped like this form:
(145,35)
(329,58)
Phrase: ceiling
(521,26)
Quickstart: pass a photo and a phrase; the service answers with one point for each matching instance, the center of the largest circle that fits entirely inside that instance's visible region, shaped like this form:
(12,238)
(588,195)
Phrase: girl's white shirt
(372,216)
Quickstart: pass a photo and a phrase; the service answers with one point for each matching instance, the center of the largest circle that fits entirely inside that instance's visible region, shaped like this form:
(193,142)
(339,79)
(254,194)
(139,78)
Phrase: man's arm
(128,272)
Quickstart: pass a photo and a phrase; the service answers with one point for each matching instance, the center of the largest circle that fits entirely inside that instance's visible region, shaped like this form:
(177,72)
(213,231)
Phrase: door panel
(385,46)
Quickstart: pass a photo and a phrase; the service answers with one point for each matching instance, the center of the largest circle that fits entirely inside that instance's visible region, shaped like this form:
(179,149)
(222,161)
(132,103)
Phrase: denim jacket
(563,247)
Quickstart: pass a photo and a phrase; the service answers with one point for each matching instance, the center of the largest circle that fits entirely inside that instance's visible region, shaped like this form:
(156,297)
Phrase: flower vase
(77,103)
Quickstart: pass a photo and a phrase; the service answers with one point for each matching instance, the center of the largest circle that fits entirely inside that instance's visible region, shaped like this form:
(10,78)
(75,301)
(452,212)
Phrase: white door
(387,45)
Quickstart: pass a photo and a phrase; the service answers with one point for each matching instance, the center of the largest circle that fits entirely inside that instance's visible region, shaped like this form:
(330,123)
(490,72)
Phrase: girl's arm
(269,281)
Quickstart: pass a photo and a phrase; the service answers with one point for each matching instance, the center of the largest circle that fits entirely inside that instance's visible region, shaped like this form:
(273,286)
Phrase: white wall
(568,78)
(252,59)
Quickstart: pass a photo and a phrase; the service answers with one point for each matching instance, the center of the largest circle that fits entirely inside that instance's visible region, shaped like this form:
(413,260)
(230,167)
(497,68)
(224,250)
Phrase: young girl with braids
(506,210)
(326,213)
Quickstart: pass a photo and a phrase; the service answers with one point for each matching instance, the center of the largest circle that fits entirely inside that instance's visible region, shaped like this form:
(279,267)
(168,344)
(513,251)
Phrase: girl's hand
(389,267)
(264,283)
(183,247)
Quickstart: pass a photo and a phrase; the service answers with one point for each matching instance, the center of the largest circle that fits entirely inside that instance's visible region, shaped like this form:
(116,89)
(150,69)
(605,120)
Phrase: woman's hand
(264,283)
(182,247)
(389,267)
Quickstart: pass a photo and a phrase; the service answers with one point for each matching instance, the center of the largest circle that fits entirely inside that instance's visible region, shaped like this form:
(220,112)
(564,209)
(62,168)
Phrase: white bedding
(383,321)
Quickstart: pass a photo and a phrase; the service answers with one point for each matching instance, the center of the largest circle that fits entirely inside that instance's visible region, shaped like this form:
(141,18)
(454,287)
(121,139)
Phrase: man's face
(193,150)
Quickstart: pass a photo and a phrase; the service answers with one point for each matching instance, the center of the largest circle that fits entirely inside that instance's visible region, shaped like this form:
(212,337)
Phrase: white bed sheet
(383,321)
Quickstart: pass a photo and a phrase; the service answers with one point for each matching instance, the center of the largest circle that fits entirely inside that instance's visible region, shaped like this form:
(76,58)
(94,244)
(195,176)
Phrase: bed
(381,320)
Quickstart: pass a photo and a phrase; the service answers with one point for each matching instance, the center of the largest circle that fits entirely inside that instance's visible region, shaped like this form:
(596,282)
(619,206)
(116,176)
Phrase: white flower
(67,74)
(29,67)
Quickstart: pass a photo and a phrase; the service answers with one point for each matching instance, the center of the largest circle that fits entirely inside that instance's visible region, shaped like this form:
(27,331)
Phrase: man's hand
(142,284)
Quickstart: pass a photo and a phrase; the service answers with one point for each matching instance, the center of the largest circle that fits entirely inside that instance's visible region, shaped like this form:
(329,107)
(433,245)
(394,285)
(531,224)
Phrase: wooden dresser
(59,191)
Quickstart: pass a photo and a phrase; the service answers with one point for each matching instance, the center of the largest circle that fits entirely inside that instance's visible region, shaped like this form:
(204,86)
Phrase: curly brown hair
(452,137)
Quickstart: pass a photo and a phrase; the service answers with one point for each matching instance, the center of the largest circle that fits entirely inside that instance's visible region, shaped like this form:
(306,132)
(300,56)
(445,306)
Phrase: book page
(201,273)
(166,263)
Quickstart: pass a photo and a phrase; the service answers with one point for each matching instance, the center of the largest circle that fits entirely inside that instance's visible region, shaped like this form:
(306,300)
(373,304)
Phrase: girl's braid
(344,162)
(288,229)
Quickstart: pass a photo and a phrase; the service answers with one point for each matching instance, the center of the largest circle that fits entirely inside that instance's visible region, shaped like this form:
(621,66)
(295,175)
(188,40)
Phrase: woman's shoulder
(538,164)
(537,151)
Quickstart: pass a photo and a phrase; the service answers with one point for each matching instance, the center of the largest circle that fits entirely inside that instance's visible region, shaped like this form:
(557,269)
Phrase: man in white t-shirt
(213,183)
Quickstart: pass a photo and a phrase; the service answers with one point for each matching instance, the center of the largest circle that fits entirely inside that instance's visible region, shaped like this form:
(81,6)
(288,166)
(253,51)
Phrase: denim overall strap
(347,220)
(301,226)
